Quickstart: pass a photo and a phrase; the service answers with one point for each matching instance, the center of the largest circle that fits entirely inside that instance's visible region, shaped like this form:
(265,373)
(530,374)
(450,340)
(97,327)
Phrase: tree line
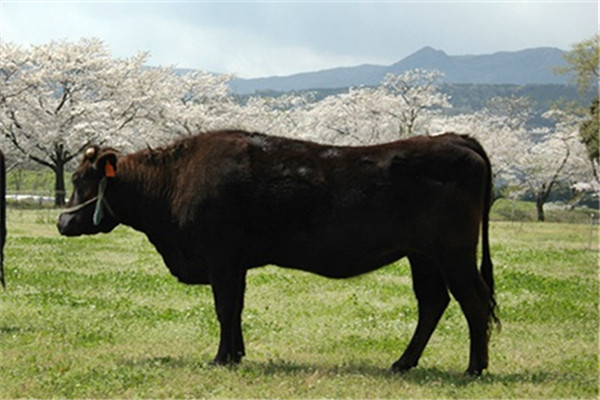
(58,98)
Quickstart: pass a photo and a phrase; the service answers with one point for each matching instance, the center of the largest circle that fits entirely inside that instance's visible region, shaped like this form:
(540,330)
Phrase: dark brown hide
(2,216)
(218,204)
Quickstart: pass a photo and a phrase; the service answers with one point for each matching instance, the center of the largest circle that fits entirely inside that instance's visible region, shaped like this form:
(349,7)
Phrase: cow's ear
(91,153)
(107,164)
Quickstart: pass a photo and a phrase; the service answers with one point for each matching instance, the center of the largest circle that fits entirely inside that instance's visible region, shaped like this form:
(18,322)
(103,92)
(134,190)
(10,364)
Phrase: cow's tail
(2,217)
(487,268)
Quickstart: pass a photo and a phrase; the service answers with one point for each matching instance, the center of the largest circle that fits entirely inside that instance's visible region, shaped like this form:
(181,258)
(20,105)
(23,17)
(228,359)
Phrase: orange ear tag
(109,170)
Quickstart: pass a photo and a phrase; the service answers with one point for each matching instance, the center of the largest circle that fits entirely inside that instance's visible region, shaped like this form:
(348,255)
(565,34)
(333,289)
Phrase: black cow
(220,203)
(2,216)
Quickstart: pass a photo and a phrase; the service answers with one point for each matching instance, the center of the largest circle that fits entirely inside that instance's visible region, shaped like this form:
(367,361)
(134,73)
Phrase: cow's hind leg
(469,289)
(432,299)
(228,292)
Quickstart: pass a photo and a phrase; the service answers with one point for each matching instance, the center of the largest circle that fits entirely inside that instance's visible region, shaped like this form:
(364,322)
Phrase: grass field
(100,317)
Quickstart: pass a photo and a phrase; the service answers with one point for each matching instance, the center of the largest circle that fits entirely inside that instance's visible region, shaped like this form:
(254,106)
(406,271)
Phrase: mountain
(530,66)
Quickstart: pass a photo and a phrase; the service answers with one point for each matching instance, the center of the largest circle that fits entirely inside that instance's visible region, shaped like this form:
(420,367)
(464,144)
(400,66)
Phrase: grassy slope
(100,317)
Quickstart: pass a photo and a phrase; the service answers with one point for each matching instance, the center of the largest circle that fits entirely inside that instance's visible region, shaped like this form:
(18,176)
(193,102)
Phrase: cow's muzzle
(69,219)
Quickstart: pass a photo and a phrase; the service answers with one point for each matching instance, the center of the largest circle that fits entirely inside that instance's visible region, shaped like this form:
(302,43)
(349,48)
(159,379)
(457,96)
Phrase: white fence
(39,198)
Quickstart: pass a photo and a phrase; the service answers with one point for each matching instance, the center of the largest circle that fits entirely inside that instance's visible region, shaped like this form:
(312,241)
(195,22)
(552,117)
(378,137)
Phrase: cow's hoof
(225,364)
(217,362)
(226,361)
(474,372)
(401,367)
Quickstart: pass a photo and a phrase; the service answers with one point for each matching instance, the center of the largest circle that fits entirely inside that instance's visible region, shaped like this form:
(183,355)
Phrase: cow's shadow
(419,376)
(282,367)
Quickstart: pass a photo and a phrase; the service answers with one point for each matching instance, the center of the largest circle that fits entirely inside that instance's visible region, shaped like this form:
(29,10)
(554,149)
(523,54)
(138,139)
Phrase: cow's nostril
(63,225)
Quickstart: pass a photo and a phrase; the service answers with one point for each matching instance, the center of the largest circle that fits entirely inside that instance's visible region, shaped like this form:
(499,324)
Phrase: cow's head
(88,210)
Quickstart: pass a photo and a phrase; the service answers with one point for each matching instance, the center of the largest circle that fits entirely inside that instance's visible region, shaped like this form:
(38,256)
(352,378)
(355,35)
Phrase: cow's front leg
(228,291)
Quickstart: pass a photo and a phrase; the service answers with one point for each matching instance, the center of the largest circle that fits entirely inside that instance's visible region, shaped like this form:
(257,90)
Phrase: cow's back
(342,211)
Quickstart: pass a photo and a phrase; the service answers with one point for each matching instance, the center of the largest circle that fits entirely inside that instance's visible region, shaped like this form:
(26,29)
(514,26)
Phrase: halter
(100,201)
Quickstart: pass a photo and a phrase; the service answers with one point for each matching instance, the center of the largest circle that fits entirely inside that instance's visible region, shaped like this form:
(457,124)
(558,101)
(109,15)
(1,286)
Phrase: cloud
(279,38)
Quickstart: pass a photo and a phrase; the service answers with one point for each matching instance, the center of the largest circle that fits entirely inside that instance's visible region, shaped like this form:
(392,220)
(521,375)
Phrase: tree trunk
(544,193)
(59,184)
(539,205)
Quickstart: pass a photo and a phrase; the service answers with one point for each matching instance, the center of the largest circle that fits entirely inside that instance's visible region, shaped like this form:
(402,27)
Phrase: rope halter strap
(100,201)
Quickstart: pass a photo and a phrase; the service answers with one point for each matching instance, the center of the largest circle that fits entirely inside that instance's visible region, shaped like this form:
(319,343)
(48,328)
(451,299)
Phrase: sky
(266,38)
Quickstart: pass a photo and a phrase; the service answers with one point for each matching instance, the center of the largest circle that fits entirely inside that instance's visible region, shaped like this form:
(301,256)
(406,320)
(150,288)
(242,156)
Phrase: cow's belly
(344,251)
(339,265)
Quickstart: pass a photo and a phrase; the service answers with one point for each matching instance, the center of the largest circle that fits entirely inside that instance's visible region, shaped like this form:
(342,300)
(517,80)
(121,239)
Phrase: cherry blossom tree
(512,112)
(189,103)
(57,98)
(283,115)
(525,159)
(552,156)
(414,96)
(402,105)
(355,117)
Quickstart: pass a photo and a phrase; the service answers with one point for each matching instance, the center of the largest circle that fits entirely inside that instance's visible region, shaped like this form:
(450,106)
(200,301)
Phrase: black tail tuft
(487,268)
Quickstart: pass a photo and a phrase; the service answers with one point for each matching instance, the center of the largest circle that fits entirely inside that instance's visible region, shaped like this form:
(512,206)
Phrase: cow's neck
(140,195)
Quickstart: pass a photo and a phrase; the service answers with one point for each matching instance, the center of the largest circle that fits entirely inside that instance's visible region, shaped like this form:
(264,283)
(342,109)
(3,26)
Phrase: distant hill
(530,66)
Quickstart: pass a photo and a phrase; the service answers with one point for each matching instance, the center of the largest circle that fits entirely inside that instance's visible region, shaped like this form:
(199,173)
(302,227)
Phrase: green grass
(39,180)
(100,317)
(508,210)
